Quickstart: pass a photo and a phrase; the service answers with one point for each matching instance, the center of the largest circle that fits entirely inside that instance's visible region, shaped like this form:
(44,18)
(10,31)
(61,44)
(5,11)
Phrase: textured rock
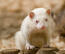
(47,51)
(61,52)
(10,51)
(31,51)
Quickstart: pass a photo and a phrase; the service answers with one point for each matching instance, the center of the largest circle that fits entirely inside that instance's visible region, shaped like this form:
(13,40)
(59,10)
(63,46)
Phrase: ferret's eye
(37,21)
(46,20)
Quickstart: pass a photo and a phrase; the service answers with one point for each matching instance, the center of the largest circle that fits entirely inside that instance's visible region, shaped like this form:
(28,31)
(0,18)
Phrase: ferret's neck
(25,27)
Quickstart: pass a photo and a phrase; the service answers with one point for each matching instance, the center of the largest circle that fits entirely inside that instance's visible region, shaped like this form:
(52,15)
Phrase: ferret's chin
(44,29)
(41,30)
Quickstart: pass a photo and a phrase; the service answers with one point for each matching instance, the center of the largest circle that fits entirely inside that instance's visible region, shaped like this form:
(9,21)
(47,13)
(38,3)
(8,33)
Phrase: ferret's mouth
(41,30)
(43,27)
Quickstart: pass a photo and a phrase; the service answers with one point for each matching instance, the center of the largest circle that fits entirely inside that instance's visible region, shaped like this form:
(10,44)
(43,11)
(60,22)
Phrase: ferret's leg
(47,42)
(19,41)
(46,45)
(29,46)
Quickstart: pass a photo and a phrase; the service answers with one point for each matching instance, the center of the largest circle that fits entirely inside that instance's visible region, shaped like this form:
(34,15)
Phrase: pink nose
(43,27)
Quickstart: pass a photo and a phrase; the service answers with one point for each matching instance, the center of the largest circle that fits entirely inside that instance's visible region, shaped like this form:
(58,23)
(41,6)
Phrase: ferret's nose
(43,27)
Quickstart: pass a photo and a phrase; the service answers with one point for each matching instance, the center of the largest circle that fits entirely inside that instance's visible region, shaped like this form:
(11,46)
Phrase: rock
(61,52)
(10,51)
(31,51)
(47,51)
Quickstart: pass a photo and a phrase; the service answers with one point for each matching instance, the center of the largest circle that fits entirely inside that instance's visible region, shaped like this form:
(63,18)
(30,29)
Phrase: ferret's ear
(31,14)
(53,15)
(48,11)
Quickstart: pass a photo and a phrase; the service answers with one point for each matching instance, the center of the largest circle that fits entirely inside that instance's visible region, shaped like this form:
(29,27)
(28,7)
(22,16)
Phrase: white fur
(29,26)
(20,40)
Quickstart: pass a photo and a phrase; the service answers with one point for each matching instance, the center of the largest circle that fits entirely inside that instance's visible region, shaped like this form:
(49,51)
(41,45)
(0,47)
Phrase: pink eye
(46,20)
(37,21)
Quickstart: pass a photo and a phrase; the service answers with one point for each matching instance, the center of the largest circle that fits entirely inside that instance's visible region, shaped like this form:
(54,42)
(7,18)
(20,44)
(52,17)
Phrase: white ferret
(36,30)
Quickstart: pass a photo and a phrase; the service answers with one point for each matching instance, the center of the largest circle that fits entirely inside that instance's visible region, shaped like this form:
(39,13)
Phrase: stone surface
(47,51)
(41,51)
(61,52)
(31,51)
(10,51)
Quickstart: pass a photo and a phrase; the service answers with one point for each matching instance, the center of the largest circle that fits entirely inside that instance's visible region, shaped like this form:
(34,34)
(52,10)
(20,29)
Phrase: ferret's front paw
(28,46)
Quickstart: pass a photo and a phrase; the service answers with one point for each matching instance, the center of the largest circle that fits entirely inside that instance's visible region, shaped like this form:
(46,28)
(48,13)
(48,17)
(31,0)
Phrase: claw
(28,46)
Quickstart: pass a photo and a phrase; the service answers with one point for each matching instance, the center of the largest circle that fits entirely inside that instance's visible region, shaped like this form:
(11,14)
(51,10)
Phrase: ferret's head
(41,18)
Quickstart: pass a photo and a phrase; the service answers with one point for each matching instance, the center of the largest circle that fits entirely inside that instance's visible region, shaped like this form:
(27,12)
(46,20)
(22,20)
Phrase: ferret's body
(36,30)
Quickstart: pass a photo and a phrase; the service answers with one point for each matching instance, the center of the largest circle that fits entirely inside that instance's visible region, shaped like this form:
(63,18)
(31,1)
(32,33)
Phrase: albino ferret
(36,30)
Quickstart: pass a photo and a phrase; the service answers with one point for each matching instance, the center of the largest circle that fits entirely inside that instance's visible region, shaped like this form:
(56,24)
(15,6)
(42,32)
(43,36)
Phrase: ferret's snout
(43,27)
